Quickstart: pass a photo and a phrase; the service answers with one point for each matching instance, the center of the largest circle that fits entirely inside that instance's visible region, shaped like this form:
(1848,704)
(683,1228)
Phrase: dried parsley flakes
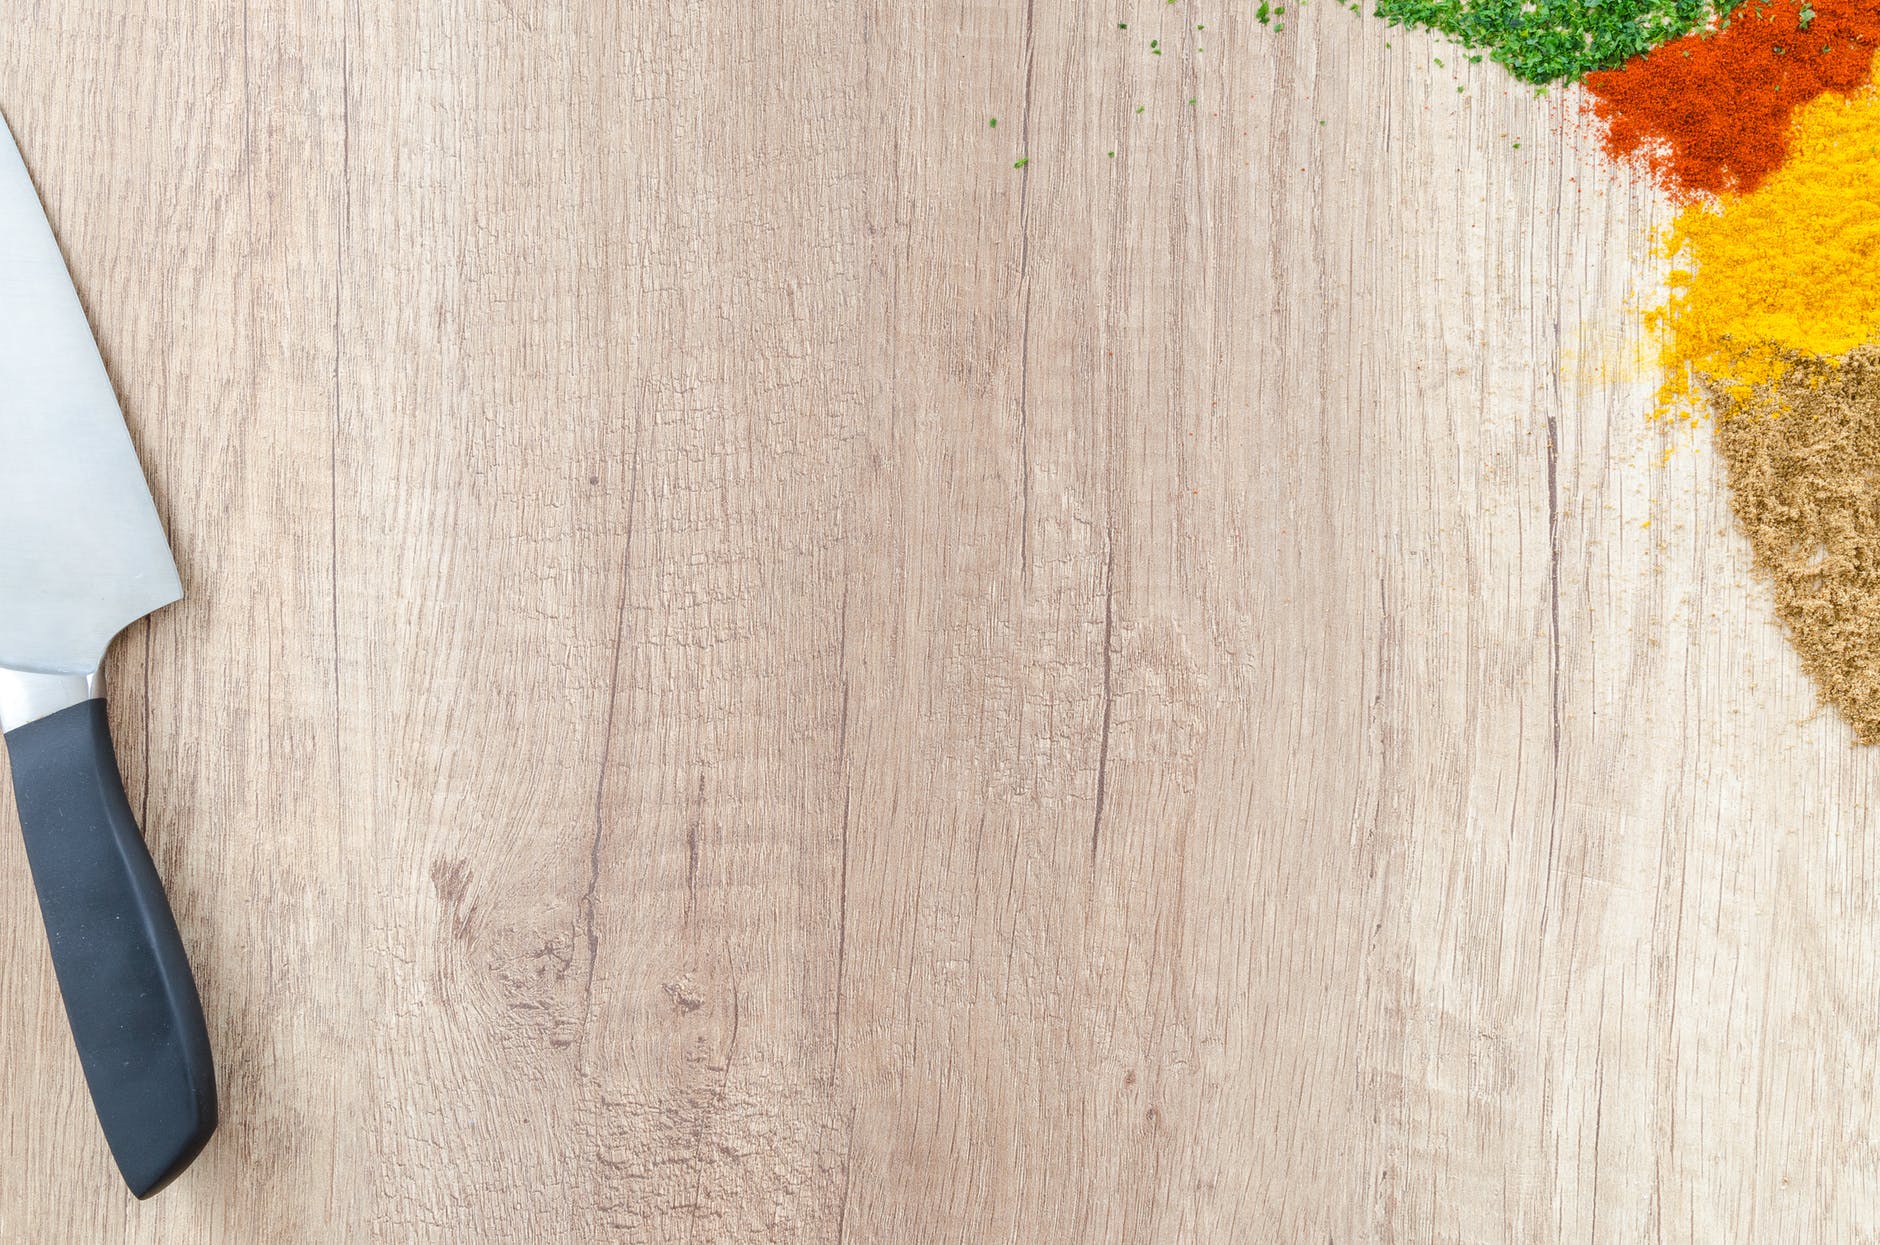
(1547,40)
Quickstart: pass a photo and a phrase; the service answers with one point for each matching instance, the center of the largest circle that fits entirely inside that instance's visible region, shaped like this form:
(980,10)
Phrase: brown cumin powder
(1802,454)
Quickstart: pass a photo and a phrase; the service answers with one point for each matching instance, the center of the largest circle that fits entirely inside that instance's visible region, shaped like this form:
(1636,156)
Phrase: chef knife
(82,556)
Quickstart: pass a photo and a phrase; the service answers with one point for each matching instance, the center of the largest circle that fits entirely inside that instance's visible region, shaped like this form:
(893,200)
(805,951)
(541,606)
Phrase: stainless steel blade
(82,552)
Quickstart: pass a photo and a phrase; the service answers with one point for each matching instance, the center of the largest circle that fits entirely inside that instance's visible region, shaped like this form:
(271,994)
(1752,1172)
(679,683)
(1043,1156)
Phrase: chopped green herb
(1547,40)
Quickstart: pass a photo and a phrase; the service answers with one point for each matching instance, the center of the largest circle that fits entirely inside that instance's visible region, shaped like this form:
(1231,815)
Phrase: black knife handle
(121,967)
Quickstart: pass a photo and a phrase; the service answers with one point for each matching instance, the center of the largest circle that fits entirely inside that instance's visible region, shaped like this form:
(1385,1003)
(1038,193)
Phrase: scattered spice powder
(1803,458)
(1710,112)
(1786,270)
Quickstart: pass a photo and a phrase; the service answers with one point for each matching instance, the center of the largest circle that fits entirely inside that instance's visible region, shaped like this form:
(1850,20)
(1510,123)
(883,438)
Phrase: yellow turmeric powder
(1790,269)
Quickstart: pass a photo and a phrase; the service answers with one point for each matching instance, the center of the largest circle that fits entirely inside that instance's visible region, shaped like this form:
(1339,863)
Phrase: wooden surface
(754,673)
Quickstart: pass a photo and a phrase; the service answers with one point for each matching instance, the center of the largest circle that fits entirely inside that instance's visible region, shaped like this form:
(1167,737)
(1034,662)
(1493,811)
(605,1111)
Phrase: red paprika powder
(1710,112)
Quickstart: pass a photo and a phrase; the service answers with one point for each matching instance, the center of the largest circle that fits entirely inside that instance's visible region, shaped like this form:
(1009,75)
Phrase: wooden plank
(756,670)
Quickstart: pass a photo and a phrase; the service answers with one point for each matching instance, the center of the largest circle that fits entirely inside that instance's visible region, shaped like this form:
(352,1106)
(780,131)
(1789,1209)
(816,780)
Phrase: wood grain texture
(754,673)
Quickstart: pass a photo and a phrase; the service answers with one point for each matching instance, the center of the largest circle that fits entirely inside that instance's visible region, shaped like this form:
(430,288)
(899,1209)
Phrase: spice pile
(1788,270)
(1774,325)
(1710,112)
(1803,457)
(1543,41)
(1760,119)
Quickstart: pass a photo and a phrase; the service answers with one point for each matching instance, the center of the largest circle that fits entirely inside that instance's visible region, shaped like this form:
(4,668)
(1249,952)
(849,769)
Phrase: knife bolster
(26,696)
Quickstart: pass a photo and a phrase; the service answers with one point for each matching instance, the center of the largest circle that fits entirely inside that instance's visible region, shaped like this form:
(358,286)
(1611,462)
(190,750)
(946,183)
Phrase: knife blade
(83,555)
